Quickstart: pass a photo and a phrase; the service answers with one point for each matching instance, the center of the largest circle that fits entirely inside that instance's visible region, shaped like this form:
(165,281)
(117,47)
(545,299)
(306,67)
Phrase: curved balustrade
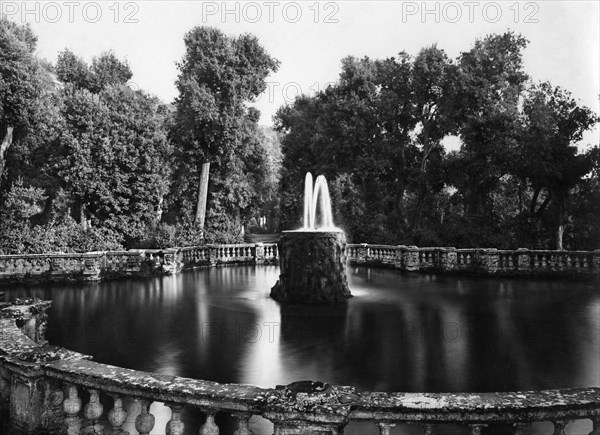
(486,261)
(115,264)
(50,389)
(95,266)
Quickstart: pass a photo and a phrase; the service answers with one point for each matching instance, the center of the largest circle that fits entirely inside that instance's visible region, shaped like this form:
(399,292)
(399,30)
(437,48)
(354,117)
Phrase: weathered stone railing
(47,389)
(482,261)
(93,266)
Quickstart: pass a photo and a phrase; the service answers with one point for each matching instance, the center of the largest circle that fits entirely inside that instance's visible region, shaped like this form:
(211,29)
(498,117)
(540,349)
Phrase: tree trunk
(559,237)
(159,210)
(6,143)
(423,185)
(202,196)
(82,218)
(562,220)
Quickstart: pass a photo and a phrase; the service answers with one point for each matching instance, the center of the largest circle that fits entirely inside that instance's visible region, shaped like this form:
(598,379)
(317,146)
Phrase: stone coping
(450,248)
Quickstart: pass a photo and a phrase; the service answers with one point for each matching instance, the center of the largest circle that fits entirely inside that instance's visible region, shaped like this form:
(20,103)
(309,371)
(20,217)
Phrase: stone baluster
(259,253)
(559,427)
(72,406)
(519,428)
(385,428)
(117,417)
(144,422)
(175,426)
(595,426)
(92,412)
(243,424)
(544,260)
(209,427)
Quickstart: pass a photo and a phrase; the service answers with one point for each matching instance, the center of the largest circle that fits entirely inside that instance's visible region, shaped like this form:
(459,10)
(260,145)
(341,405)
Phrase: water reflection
(401,332)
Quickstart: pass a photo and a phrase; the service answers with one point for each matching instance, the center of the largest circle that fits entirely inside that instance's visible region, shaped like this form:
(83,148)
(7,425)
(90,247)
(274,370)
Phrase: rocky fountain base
(313,267)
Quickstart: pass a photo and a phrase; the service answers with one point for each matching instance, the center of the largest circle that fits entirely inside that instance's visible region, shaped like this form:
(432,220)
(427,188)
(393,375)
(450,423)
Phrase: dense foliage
(91,164)
(518,179)
(87,163)
(213,126)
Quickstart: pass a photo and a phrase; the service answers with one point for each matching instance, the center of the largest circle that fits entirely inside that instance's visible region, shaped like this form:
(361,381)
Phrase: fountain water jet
(311,197)
(312,259)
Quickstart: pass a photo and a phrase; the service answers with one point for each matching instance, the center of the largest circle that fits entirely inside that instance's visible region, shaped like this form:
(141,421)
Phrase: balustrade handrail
(491,261)
(160,388)
(550,251)
(376,407)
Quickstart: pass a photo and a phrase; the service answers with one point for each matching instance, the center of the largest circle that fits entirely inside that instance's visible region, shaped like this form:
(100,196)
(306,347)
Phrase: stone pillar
(57,266)
(398,264)
(259,253)
(596,261)
(523,260)
(362,253)
(212,254)
(35,400)
(490,258)
(450,259)
(91,268)
(171,263)
(27,393)
(410,258)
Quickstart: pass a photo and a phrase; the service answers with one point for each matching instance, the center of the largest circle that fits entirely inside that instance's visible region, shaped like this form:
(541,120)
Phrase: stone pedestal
(410,259)
(523,260)
(313,267)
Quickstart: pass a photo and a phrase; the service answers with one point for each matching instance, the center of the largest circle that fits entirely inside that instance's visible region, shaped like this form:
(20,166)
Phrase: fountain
(312,259)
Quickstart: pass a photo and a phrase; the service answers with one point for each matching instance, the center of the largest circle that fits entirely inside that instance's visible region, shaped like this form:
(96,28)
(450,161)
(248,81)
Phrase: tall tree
(433,86)
(490,82)
(554,123)
(218,76)
(20,84)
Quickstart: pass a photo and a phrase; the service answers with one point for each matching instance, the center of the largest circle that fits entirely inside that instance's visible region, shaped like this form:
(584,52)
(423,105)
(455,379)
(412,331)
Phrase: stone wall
(520,262)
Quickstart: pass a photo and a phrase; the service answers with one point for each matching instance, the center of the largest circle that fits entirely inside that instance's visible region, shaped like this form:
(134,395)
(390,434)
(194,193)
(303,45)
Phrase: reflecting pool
(400,331)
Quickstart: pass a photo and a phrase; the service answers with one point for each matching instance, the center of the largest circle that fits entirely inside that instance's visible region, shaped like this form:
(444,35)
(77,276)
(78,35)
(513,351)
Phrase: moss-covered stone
(313,267)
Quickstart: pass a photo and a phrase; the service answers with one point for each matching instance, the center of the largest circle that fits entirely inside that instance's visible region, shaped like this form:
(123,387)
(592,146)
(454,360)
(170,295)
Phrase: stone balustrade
(520,262)
(94,266)
(48,389)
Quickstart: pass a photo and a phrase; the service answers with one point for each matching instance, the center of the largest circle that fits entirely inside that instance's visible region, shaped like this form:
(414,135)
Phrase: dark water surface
(401,332)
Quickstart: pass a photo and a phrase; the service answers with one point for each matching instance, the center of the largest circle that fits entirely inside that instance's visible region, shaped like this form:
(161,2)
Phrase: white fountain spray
(311,197)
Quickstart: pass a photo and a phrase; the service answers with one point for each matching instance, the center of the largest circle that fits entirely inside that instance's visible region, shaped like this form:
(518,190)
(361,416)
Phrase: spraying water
(311,198)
